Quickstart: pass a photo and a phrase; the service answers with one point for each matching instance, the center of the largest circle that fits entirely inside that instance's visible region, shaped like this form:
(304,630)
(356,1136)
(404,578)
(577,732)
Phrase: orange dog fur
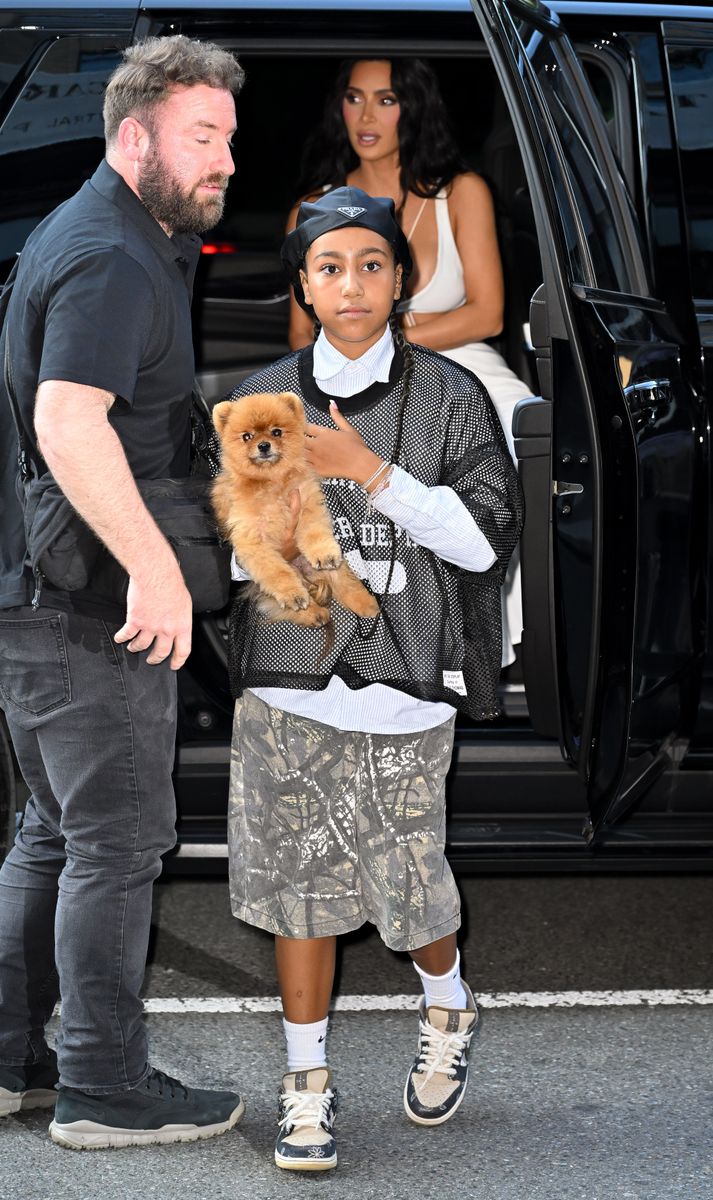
(263,463)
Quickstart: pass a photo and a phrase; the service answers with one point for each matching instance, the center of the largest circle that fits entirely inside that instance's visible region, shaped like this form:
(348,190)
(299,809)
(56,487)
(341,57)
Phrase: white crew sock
(306,1044)
(445,991)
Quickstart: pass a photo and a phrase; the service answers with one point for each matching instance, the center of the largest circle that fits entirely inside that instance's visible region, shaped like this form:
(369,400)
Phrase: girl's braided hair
(409,361)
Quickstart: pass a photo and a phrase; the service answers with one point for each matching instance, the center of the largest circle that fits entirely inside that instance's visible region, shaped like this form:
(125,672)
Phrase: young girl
(337,811)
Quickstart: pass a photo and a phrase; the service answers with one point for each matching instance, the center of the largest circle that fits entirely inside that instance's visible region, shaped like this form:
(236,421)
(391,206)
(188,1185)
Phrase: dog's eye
(247,437)
(276,433)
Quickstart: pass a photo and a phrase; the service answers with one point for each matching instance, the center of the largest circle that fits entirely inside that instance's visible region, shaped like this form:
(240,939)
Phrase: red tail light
(219,248)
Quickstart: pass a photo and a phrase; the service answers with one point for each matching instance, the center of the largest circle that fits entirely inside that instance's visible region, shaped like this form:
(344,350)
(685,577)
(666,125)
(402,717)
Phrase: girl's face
(371,111)
(351,281)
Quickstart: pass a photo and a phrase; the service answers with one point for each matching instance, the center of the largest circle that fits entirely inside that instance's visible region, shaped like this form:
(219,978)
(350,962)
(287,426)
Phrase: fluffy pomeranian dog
(263,463)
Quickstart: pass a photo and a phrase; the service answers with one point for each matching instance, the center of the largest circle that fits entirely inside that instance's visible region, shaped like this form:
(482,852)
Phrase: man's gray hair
(154,66)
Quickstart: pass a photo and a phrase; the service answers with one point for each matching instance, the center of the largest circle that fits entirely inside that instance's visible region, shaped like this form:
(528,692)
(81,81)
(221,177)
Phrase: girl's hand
(341,451)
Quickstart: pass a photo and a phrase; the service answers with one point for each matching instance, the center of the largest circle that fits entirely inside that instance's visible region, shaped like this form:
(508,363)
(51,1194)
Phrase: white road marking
(608,999)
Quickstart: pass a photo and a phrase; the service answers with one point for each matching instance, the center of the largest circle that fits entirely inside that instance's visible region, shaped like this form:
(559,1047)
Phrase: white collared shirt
(341,376)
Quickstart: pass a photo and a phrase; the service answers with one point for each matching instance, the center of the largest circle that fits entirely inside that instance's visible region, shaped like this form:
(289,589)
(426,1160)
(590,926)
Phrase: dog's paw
(315,617)
(365,606)
(295,599)
(325,557)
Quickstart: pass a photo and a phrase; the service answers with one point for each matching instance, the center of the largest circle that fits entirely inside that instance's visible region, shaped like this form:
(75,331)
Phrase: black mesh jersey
(438,636)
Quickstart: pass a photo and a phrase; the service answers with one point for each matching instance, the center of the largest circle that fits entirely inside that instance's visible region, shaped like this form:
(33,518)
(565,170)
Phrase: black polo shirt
(102,298)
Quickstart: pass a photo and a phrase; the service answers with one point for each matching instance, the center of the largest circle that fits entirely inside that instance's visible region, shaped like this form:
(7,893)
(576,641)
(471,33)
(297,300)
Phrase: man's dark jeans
(94,731)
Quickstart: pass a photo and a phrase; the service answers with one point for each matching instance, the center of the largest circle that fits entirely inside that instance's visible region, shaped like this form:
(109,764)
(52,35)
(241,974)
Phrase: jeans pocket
(34,671)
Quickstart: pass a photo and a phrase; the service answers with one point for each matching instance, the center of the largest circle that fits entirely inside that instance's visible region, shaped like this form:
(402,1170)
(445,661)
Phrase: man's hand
(341,451)
(159,617)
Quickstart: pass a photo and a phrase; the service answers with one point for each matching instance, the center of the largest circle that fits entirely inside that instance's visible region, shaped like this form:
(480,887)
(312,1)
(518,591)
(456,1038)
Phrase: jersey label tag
(455,681)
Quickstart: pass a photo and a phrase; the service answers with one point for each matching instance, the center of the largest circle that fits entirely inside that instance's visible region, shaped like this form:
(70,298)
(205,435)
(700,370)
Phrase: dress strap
(417,218)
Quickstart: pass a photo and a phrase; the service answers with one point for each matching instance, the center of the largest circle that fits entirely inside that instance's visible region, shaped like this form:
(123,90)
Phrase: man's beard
(165,199)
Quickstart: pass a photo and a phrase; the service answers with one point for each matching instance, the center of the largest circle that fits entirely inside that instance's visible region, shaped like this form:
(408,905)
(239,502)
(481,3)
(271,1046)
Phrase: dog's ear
(293,401)
(221,413)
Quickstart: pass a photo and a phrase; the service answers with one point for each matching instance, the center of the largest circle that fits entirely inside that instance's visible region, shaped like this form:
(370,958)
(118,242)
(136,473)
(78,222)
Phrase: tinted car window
(596,252)
(53,136)
(691,69)
(16,48)
(601,85)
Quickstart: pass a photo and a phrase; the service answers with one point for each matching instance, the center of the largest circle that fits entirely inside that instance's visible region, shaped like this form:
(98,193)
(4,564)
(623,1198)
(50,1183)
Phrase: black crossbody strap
(27,455)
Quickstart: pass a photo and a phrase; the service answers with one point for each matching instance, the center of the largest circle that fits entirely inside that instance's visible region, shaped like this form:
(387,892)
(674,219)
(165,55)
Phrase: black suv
(593,123)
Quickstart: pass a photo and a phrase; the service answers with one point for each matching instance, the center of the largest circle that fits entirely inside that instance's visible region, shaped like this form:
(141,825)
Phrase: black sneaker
(159,1110)
(438,1078)
(33,1086)
(307,1107)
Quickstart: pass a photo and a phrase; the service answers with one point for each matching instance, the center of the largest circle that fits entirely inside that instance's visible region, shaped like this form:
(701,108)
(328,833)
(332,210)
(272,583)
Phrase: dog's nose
(264,447)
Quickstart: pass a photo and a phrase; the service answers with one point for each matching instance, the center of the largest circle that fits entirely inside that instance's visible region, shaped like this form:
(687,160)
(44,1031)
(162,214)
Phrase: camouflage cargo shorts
(329,829)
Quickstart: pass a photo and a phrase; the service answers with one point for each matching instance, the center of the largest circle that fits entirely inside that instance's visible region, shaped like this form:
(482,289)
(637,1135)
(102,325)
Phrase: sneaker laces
(305,1110)
(440,1051)
(165,1083)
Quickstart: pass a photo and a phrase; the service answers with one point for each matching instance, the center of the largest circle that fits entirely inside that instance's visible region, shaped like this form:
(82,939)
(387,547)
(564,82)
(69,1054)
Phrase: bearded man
(99,339)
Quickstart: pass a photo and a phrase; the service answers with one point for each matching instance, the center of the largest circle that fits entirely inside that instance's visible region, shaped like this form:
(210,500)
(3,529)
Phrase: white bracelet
(382,467)
(381,486)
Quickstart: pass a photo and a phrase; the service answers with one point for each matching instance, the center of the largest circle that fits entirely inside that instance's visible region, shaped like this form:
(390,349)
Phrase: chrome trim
(202,850)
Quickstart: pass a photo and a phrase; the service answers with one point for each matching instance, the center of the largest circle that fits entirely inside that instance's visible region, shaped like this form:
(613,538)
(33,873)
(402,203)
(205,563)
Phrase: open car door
(609,453)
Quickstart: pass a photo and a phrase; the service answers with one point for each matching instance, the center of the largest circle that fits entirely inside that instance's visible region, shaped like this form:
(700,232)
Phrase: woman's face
(351,281)
(371,111)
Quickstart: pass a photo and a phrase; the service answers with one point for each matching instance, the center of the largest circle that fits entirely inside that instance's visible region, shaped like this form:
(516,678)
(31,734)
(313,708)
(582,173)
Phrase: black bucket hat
(343,206)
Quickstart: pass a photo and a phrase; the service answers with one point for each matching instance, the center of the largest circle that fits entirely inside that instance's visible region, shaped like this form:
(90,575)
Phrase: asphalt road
(579,1103)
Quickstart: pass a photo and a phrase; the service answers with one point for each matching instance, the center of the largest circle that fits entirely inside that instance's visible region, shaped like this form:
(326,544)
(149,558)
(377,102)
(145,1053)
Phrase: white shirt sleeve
(236,571)
(437,519)
(434,517)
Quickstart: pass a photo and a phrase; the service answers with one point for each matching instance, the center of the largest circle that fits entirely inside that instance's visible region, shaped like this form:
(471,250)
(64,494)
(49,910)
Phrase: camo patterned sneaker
(307,1106)
(159,1110)
(32,1086)
(439,1076)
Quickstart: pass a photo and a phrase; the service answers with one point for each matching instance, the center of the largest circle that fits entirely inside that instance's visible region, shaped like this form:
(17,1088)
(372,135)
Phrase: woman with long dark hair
(385,129)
